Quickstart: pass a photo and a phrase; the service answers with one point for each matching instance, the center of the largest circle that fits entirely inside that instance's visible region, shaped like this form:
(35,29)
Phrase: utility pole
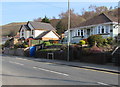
(68,58)
(118,13)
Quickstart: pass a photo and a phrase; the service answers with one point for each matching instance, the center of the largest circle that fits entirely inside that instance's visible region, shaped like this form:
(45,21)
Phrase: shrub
(47,43)
(63,47)
(105,42)
(86,42)
(26,46)
(95,38)
(18,45)
(2,46)
(110,40)
(7,43)
(82,42)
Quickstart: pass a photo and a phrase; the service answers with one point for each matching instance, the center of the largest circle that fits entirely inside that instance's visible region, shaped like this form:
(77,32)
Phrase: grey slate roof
(40,25)
(26,27)
(101,18)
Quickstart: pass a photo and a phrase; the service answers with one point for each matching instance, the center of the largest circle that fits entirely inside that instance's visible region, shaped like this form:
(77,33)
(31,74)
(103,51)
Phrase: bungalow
(101,24)
(38,30)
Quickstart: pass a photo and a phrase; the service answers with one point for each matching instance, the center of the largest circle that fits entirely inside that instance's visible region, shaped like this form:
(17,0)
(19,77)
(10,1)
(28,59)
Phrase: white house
(38,30)
(101,24)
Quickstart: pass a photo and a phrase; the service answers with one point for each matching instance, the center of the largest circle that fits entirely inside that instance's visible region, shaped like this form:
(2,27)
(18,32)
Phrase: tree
(38,19)
(45,20)
(76,19)
(101,9)
(54,22)
(60,28)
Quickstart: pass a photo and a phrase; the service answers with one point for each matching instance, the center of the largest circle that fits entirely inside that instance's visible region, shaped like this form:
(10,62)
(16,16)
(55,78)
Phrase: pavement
(107,68)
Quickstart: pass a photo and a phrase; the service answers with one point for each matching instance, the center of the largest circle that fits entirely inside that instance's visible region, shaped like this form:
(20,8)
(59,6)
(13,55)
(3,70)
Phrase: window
(74,33)
(22,32)
(78,32)
(107,29)
(81,32)
(32,32)
(98,29)
(102,29)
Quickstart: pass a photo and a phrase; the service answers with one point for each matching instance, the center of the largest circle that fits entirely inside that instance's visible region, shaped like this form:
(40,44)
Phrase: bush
(82,42)
(110,40)
(63,47)
(105,42)
(47,43)
(7,43)
(18,45)
(95,38)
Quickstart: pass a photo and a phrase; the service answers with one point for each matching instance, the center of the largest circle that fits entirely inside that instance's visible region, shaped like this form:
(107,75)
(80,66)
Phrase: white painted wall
(28,34)
(21,32)
(50,35)
(93,32)
(115,30)
(38,32)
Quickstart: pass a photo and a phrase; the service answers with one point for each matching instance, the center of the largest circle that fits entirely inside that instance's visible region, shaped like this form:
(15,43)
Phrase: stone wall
(15,52)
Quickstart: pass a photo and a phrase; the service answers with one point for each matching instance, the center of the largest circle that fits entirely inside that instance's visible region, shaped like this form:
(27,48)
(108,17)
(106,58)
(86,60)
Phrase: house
(101,24)
(38,30)
(118,38)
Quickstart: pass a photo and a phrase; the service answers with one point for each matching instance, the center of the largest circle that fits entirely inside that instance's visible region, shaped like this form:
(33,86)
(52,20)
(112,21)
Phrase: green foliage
(95,38)
(82,42)
(35,42)
(53,49)
(7,43)
(45,20)
(21,45)
(110,40)
(60,27)
(26,46)
(47,43)
(1,46)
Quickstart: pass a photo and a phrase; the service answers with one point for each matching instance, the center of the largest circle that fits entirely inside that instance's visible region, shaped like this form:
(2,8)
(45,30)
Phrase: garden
(94,49)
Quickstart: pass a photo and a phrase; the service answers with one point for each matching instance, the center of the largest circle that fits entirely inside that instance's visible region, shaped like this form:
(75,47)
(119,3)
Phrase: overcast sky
(27,11)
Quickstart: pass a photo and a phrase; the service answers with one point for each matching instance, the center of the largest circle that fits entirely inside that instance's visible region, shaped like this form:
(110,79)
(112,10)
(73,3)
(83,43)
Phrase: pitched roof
(25,27)
(41,35)
(46,32)
(101,18)
(40,25)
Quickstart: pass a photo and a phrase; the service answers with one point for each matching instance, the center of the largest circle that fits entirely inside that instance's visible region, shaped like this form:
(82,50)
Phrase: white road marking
(102,83)
(21,58)
(16,63)
(51,71)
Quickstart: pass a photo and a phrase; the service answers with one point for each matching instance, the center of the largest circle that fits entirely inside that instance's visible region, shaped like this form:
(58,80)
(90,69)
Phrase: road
(20,71)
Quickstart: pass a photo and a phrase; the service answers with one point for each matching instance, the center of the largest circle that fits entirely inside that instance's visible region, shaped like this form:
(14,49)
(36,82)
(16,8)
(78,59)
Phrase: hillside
(11,28)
